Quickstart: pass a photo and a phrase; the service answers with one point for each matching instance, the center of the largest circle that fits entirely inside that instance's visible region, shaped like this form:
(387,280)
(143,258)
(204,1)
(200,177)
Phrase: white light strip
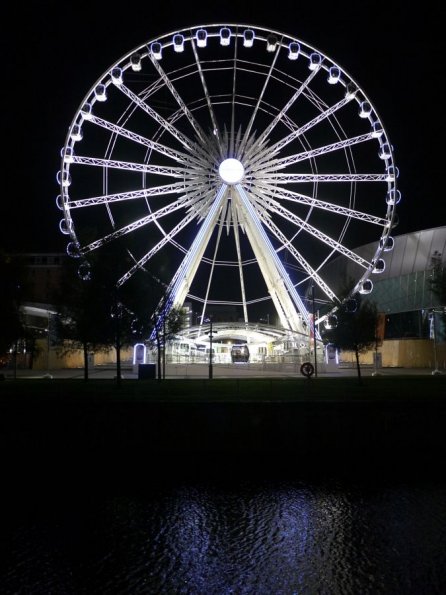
(280,193)
(277,208)
(299,258)
(349,142)
(194,254)
(176,188)
(153,114)
(167,238)
(282,112)
(280,178)
(272,253)
(184,201)
(137,138)
(178,99)
(173,172)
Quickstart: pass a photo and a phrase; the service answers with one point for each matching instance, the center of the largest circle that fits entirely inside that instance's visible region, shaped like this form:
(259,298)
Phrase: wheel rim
(140,170)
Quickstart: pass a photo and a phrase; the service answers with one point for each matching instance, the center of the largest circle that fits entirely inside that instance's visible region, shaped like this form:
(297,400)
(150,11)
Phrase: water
(231,536)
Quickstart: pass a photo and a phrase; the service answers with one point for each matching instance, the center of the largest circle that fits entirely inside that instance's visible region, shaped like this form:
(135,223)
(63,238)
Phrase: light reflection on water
(233,537)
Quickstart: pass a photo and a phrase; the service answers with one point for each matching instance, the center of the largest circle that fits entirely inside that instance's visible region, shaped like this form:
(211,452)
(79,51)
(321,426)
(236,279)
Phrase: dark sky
(53,52)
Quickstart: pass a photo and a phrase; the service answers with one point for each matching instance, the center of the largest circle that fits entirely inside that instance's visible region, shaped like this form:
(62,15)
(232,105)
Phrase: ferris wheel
(236,163)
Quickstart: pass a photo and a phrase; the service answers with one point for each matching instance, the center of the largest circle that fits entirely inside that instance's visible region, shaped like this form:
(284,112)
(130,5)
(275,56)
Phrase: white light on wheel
(156,50)
(225,36)
(365,109)
(248,38)
(76,132)
(135,61)
(178,43)
(100,92)
(231,171)
(315,61)
(393,197)
(116,76)
(385,151)
(201,37)
(293,50)
(271,43)
(334,75)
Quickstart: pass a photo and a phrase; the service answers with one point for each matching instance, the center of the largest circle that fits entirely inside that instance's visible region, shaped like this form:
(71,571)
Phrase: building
(414,331)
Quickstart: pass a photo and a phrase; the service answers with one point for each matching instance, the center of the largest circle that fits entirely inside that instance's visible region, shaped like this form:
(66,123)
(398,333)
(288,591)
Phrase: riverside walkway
(219,371)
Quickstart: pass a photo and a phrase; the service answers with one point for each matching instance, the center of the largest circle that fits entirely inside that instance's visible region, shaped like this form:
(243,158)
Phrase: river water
(230,536)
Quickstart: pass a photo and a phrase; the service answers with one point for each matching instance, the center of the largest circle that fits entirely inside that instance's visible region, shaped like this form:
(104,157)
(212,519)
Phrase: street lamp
(434,336)
(314,331)
(117,315)
(211,334)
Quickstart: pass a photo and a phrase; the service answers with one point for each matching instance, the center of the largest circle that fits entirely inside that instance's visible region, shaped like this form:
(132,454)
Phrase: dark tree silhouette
(12,278)
(438,283)
(84,308)
(355,328)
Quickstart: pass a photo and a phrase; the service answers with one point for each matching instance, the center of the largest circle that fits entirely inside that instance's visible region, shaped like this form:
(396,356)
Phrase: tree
(172,324)
(84,308)
(144,297)
(165,328)
(438,287)
(438,283)
(12,275)
(355,328)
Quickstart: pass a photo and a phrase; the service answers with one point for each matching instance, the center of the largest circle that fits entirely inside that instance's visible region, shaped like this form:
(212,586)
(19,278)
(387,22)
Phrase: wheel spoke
(282,194)
(234,86)
(265,134)
(176,188)
(215,127)
(159,119)
(186,111)
(240,265)
(282,290)
(211,273)
(279,178)
(147,168)
(137,138)
(167,238)
(256,109)
(277,208)
(182,280)
(343,144)
(288,245)
(274,149)
(187,200)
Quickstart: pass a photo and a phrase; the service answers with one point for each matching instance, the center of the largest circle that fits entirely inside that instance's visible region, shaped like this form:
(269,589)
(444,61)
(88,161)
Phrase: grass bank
(94,433)
(373,389)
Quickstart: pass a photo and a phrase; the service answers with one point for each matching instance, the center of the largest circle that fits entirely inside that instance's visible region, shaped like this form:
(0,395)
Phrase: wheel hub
(231,171)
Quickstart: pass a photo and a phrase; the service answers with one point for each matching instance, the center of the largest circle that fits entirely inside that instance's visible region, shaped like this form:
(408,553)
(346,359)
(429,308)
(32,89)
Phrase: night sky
(54,52)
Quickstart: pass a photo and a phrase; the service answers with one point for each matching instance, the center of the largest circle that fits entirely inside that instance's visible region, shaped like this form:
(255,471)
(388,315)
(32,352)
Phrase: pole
(314,332)
(435,370)
(210,350)
(48,344)
(15,358)
(118,339)
(164,346)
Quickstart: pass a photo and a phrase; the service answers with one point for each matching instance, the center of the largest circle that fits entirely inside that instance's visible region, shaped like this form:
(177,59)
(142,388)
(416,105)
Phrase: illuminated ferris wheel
(235,162)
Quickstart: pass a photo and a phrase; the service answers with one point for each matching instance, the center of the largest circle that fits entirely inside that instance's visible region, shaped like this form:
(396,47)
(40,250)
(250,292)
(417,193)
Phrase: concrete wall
(402,353)
(395,353)
(57,360)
